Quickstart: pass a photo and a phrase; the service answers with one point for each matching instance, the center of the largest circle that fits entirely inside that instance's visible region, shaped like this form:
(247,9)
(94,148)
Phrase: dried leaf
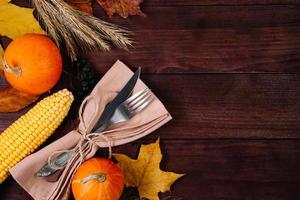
(12,100)
(145,174)
(15,20)
(124,8)
(82,5)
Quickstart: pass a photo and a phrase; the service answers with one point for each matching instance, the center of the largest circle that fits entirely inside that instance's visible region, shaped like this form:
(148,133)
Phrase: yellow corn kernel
(32,129)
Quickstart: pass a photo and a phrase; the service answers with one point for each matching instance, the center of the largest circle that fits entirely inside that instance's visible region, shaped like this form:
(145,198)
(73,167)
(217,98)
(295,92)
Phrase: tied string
(87,138)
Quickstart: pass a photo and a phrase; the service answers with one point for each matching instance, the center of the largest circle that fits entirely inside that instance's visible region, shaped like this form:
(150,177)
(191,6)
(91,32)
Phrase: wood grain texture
(200,39)
(231,169)
(155,3)
(218,2)
(220,169)
(219,50)
(193,39)
(203,17)
(229,105)
(224,105)
(235,127)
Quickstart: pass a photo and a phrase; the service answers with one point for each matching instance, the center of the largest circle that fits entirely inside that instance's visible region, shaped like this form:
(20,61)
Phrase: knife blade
(101,124)
(113,105)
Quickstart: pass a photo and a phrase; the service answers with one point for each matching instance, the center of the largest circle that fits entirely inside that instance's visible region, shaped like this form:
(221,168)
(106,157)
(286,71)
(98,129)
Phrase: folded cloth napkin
(154,116)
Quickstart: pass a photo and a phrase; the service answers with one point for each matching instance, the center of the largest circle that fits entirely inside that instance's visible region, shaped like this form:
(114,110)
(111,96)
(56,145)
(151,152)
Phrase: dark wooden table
(228,71)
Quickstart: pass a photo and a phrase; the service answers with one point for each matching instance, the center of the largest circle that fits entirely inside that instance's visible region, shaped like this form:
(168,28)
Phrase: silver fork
(128,109)
(132,106)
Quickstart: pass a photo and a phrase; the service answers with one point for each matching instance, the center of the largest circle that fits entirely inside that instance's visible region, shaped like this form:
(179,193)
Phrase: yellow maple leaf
(145,174)
(4,1)
(16,20)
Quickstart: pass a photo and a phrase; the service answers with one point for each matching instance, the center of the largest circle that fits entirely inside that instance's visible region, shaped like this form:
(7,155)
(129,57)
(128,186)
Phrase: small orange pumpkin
(32,63)
(98,179)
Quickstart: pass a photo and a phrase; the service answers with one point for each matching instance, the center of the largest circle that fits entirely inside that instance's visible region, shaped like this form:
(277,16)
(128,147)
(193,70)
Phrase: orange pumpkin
(32,63)
(98,179)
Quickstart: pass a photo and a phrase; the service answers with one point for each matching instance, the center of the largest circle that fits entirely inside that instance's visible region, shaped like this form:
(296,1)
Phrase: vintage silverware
(128,109)
(114,104)
(101,125)
(132,106)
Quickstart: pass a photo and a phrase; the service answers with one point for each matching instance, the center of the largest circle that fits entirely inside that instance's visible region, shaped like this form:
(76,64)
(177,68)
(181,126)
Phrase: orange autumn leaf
(82,5)
(124,8)
(12,100)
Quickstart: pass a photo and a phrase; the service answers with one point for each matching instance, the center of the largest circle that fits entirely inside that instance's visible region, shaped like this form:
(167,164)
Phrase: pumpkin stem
(14,70)
(101,177)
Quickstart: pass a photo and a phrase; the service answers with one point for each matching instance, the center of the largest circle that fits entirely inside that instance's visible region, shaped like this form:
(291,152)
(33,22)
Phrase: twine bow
(87,137)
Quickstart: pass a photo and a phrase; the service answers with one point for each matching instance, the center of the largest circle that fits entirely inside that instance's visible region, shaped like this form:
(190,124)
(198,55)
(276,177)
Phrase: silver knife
(101,125)
(113,105)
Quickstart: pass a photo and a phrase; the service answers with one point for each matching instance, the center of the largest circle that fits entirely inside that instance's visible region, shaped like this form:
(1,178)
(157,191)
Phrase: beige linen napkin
(154,116)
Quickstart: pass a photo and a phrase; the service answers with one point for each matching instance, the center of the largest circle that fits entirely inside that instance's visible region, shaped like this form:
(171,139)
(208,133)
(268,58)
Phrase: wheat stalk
(78,30)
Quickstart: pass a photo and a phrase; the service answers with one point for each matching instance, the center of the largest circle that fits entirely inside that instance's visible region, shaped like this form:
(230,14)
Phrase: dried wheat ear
(79,31)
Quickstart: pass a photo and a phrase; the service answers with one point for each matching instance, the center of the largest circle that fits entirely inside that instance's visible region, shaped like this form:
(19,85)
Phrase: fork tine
(144,105)
(133,97)
(140,102)
(138,98)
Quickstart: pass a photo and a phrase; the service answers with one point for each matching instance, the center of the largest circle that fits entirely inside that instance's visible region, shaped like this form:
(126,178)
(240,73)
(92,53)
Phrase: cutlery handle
(61,161)
(63,158)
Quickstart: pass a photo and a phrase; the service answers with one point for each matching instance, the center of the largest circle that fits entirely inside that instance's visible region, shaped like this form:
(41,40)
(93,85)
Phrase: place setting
(113,109)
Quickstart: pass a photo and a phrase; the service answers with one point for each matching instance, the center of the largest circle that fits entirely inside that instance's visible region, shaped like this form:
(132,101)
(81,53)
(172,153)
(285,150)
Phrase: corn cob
(28,132)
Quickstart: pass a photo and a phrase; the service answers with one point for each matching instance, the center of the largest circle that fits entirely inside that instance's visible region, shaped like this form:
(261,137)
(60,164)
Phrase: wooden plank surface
(224,105)
(219,50)
(158,3)
(240,39)
(204,17)
(193,39)
(228,72)
(220,169)
(218,2)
